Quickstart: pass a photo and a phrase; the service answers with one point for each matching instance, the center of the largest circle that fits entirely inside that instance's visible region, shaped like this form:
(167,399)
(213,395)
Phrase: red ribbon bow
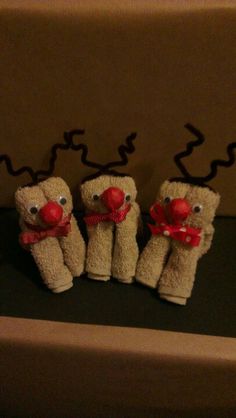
(185,234)
(38,234)
(116,216)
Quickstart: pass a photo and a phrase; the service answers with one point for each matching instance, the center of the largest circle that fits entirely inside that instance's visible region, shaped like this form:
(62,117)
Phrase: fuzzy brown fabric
(99,251)
(176,278)
(112,248)
(59,259)
(151,261)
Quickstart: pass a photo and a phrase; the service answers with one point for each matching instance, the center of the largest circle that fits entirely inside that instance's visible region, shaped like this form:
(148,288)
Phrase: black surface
(211,310)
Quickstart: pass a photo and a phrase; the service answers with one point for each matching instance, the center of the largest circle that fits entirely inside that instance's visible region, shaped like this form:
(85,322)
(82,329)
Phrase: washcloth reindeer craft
(183,230)
(112,216)
(49,229)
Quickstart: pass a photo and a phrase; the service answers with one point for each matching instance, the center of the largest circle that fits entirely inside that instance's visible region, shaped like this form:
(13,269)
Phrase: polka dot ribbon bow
(184,234)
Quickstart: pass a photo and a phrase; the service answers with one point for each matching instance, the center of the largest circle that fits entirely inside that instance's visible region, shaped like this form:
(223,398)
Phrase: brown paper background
(112,68)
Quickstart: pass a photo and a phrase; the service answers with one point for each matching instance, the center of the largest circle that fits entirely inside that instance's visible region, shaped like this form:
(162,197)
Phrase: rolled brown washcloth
(183,233)
(50,231)
(112,221)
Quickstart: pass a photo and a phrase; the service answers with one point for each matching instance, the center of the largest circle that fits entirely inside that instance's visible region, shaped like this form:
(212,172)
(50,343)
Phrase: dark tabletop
(211,310)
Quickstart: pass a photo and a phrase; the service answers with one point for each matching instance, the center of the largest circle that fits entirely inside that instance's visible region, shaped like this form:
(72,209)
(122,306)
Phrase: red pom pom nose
(51,213)
(113,198)
(179,209)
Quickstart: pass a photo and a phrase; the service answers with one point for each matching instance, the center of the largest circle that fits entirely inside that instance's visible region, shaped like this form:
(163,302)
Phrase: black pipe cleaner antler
(201,180)
(40,175)
(222,163)
(67,145)
(25,169)
(123,150)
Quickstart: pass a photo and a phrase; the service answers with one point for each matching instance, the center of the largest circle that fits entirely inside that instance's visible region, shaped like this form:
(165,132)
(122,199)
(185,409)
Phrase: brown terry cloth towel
(112,224)
(176,278)
(51,233)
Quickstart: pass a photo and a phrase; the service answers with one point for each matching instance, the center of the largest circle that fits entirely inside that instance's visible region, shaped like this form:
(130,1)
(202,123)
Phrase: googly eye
(95,197)
(167,199)
(62,200)
(197,208)
(127,197)
(33,209)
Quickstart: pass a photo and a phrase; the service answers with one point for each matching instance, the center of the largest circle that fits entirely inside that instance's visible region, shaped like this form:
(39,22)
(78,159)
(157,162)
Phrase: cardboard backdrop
(113,67)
